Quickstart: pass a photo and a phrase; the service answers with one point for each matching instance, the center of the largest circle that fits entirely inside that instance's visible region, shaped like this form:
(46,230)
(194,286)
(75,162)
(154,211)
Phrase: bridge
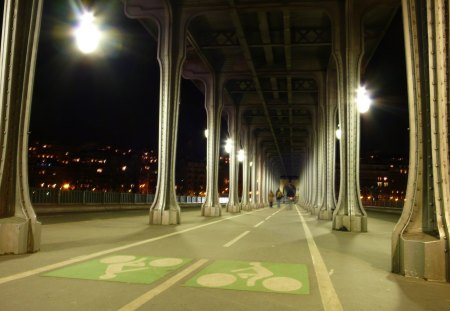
(116,261)
(285,73)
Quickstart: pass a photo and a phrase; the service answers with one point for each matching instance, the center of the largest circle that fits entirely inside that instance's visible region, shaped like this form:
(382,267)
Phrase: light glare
(87,35)
(362,99)
(228,145)
(338,133)
(240,155)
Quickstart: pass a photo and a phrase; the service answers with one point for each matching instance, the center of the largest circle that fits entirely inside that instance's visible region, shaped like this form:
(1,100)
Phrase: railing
(383,203)
(56,196)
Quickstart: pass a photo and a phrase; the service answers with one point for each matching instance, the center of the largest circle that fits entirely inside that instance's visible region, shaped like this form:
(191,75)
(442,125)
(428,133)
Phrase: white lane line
(236,239)
(330,299)
(267,218)
(259,224)
(141,300)
(105,252)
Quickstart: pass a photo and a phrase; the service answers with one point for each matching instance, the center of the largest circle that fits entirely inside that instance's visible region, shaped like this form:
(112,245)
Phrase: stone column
(253,173)
(314,168)
(329,202)
(246,169)
(233,199)
(20,232)
(258,200)
(420,241)
(214,106)
(349,214)
(172,24)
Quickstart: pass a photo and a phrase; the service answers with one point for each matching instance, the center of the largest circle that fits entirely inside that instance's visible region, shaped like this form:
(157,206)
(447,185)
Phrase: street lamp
(363,100)
(228,145)
(87,34)
(339,132)
(206,133)
(240,155)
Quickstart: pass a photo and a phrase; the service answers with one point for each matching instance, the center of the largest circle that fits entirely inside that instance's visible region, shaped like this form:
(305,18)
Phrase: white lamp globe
(87,34)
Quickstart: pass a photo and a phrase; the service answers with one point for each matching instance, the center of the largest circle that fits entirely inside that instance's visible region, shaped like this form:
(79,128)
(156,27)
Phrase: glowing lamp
(87,35)
(363,100)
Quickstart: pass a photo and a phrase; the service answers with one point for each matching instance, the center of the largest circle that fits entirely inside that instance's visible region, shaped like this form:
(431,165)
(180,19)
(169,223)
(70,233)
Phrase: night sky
(113,97)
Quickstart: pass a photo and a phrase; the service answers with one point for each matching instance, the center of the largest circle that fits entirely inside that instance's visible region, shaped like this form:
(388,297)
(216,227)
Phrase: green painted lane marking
(122,268)
(254,276)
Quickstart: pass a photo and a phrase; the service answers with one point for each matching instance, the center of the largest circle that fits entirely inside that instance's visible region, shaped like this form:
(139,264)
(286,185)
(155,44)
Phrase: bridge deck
(103,261)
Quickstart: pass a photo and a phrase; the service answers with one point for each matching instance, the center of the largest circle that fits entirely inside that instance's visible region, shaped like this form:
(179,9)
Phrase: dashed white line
(236,239)
(259,224)
(330,299)
(141,300)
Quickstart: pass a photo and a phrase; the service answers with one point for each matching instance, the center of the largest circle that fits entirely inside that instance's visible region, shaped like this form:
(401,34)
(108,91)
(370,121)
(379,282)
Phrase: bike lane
(272,239)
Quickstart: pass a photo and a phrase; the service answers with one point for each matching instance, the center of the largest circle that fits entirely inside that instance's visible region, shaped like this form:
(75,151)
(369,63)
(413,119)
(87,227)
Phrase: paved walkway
(267,259)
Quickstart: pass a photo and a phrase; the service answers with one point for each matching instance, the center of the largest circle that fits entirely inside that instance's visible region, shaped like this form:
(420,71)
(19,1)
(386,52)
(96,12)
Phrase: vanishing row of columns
(420,241)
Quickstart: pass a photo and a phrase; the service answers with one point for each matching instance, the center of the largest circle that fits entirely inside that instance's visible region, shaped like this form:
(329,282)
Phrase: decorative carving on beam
(311,36)
(300,37)
(239,86)
(219,39)
(304,85)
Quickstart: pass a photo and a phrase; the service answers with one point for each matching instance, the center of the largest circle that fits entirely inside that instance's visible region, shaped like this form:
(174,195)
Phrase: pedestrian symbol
(254,276)
(122,268)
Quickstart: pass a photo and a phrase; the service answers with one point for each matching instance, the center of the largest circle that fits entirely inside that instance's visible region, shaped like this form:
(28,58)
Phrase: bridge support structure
(349,214)
(20,232)
(214,106)
(420,241)
(172,24)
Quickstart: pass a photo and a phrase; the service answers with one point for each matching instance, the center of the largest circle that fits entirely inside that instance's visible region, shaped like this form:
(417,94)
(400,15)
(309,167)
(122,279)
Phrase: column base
(423,257)
(234,209)
(325,215)
(247,207)
(211,211)
(16,238)
(164,217)
(355,223)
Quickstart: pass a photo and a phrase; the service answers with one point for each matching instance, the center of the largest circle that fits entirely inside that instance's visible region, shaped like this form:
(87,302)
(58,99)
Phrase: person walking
(271,195)
(279,196)
(290,193)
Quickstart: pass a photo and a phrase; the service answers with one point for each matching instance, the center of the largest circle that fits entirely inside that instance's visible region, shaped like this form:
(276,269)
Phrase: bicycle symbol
(256,272)
(124,264)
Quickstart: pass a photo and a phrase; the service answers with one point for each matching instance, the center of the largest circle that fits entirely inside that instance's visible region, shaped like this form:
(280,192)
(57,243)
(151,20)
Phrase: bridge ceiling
(274,55)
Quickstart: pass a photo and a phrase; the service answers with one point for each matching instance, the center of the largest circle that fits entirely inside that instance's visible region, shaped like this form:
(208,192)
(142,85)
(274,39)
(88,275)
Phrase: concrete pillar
(245,203)
(420,241)
(349,214)
(172,25)
(314,168)
(214,106)
(258,201)
(233,127)
(320,158)
(253,181)
(20,232)
(329,202)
